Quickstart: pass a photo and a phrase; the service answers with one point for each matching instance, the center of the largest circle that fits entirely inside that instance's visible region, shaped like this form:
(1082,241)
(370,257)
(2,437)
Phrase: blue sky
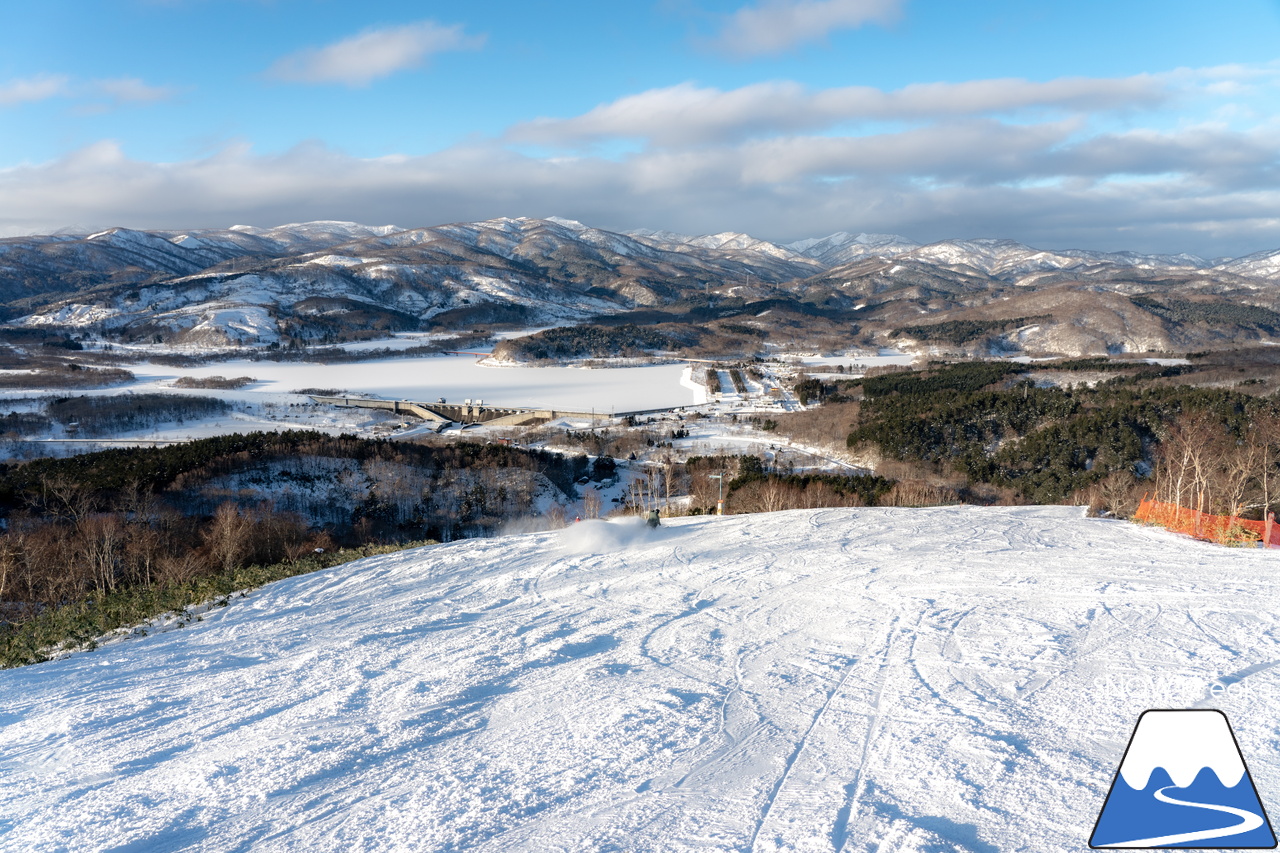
(1143,125)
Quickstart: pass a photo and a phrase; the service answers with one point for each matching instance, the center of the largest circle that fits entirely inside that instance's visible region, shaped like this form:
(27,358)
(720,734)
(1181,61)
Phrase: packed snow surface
(857,679)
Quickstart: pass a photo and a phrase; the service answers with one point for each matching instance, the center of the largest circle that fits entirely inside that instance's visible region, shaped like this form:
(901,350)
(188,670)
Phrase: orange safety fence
(1224,529)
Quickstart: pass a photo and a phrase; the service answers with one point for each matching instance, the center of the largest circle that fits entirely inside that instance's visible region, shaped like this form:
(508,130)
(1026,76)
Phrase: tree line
(140,517)
(1209,447)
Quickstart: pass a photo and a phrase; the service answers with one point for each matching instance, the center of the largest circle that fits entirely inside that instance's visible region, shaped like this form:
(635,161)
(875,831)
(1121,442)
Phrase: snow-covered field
(883,359)
(861,680)
(824,367)
(710,438)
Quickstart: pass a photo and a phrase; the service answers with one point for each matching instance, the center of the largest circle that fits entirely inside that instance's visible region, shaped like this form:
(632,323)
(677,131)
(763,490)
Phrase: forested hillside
(154,517)
(994,424)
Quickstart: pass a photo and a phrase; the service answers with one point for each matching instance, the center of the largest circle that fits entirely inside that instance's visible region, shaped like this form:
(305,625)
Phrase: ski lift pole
(720,502)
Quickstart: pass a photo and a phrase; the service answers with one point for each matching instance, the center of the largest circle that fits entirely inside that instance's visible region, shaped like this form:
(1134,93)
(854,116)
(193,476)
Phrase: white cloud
(974,151)
(1058,163)
(1207,190)
(775,26)
(103,96)
(132,90)
(30,89)
(688,114)
(96,96)
(372,54)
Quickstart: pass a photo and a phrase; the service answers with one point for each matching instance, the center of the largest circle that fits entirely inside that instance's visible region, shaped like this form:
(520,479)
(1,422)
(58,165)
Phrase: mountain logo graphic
(1183,783)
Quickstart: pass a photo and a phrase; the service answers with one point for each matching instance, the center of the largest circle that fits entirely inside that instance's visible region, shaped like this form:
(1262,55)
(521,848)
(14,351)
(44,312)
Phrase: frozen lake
(456,378)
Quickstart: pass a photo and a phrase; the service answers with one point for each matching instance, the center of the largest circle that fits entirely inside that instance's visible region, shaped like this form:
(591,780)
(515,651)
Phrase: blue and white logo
(1183,783)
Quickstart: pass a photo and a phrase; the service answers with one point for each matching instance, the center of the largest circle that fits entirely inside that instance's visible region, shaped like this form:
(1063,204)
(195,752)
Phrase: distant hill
(328,281)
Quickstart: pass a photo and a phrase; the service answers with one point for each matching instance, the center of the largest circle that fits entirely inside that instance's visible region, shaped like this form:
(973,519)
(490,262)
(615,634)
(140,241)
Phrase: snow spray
(607,537)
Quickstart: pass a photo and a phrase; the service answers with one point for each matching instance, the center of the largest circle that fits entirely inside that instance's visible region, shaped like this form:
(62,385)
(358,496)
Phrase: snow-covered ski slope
(857,679)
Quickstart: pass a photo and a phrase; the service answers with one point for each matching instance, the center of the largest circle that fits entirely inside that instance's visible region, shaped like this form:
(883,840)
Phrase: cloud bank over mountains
(1085,162)
(689,114)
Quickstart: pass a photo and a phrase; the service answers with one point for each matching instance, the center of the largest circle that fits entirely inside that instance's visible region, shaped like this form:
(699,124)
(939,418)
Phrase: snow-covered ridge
(542,270)
(571,224)
(1262,264)
(837,248)
(731,241)
(843,247)
(1010,258)
(325,229)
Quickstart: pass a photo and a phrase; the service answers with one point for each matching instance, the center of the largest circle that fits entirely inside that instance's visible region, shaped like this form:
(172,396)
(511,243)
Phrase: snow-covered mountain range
(317,280)
(946,679)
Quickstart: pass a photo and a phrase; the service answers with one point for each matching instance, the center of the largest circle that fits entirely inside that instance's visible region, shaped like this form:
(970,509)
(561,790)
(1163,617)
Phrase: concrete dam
(471,411)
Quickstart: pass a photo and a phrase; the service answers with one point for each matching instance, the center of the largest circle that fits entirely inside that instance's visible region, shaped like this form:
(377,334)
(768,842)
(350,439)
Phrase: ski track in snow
(853,680)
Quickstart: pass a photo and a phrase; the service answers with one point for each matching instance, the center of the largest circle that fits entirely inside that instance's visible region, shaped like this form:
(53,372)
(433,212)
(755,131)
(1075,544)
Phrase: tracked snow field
(857,679)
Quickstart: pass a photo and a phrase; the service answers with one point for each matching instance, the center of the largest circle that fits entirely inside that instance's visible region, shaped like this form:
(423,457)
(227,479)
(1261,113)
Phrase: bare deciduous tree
(592,503)
(766,495)
(227,536)
(100,544)
(1202,465)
